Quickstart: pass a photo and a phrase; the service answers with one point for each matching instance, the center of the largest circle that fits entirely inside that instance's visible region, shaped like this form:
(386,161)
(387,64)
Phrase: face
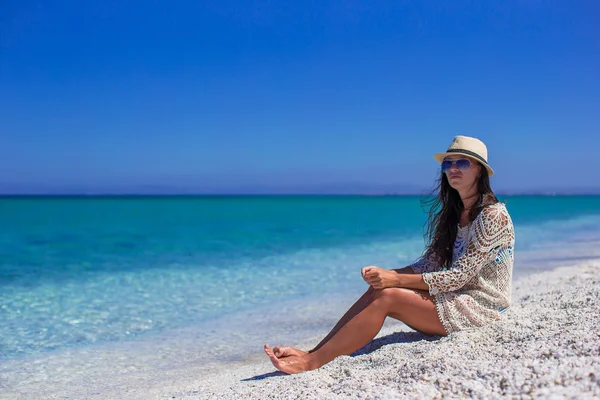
(462,171)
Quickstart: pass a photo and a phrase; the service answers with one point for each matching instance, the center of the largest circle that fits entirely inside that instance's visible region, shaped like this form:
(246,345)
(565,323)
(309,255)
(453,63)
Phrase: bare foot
(289,365)
(285,351)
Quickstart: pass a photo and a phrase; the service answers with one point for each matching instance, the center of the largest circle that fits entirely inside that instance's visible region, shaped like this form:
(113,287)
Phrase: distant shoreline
(231,195)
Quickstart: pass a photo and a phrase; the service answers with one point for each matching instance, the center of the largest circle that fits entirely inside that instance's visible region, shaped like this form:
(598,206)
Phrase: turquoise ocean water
(86,271)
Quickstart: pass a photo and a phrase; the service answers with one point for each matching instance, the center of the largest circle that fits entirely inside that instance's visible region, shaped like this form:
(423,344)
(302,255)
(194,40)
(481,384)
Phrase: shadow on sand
(398,337)
(264,376)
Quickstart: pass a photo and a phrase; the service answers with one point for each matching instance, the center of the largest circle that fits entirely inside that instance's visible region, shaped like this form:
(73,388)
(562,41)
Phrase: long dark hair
(445,207)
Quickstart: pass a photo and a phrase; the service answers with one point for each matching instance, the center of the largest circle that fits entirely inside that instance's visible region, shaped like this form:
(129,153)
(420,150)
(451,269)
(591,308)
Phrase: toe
(269,351)
(277,351)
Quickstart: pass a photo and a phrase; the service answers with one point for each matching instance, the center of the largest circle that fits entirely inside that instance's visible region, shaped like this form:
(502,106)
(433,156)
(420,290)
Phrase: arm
(411,281)
(380,278)
(485,241)
(407,277)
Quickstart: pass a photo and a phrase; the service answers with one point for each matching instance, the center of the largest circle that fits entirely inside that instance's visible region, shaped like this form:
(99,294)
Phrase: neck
(469,199)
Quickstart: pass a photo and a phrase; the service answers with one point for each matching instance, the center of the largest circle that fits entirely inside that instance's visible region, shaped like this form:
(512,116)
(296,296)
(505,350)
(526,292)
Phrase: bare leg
(358,306)
(414,307)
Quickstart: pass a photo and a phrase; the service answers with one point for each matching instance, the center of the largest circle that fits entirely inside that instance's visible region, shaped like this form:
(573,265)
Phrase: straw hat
(467,146)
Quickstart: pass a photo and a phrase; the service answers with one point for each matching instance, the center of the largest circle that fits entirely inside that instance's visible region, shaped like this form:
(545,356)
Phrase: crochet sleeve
(424,264)
(485,240)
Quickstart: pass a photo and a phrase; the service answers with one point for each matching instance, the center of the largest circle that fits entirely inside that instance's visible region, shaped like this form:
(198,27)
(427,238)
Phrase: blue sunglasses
(462,163)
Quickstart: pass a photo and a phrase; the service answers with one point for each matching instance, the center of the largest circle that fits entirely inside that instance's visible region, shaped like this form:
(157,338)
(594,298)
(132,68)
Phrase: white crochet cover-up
(476,289)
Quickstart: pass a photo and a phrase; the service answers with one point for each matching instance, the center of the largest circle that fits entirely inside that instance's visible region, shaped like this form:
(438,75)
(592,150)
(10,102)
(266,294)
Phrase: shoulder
(496,210)
(494,218)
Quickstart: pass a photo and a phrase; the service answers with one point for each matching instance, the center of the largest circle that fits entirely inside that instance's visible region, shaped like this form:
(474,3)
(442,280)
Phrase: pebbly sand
(548,346)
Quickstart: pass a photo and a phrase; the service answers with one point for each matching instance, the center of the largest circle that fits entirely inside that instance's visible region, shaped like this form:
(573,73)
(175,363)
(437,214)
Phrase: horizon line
(133,194)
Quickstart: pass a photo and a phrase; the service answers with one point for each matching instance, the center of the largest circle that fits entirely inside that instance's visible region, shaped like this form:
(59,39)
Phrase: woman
(463,281)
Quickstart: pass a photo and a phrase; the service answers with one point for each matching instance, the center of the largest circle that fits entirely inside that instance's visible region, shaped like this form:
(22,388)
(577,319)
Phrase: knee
(381,299)
(389,296)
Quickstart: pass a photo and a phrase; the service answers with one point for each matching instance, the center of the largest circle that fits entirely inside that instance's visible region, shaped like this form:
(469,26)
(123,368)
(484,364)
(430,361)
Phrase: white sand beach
(548,346)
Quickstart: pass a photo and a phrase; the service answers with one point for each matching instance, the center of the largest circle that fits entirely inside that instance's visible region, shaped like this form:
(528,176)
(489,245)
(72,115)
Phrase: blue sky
(242,96)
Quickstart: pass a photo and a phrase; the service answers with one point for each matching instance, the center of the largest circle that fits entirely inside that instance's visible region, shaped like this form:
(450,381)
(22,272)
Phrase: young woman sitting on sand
(463,280)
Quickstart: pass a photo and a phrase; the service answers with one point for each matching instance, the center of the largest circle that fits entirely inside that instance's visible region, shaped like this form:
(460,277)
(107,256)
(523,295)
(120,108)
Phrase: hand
(379,278)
